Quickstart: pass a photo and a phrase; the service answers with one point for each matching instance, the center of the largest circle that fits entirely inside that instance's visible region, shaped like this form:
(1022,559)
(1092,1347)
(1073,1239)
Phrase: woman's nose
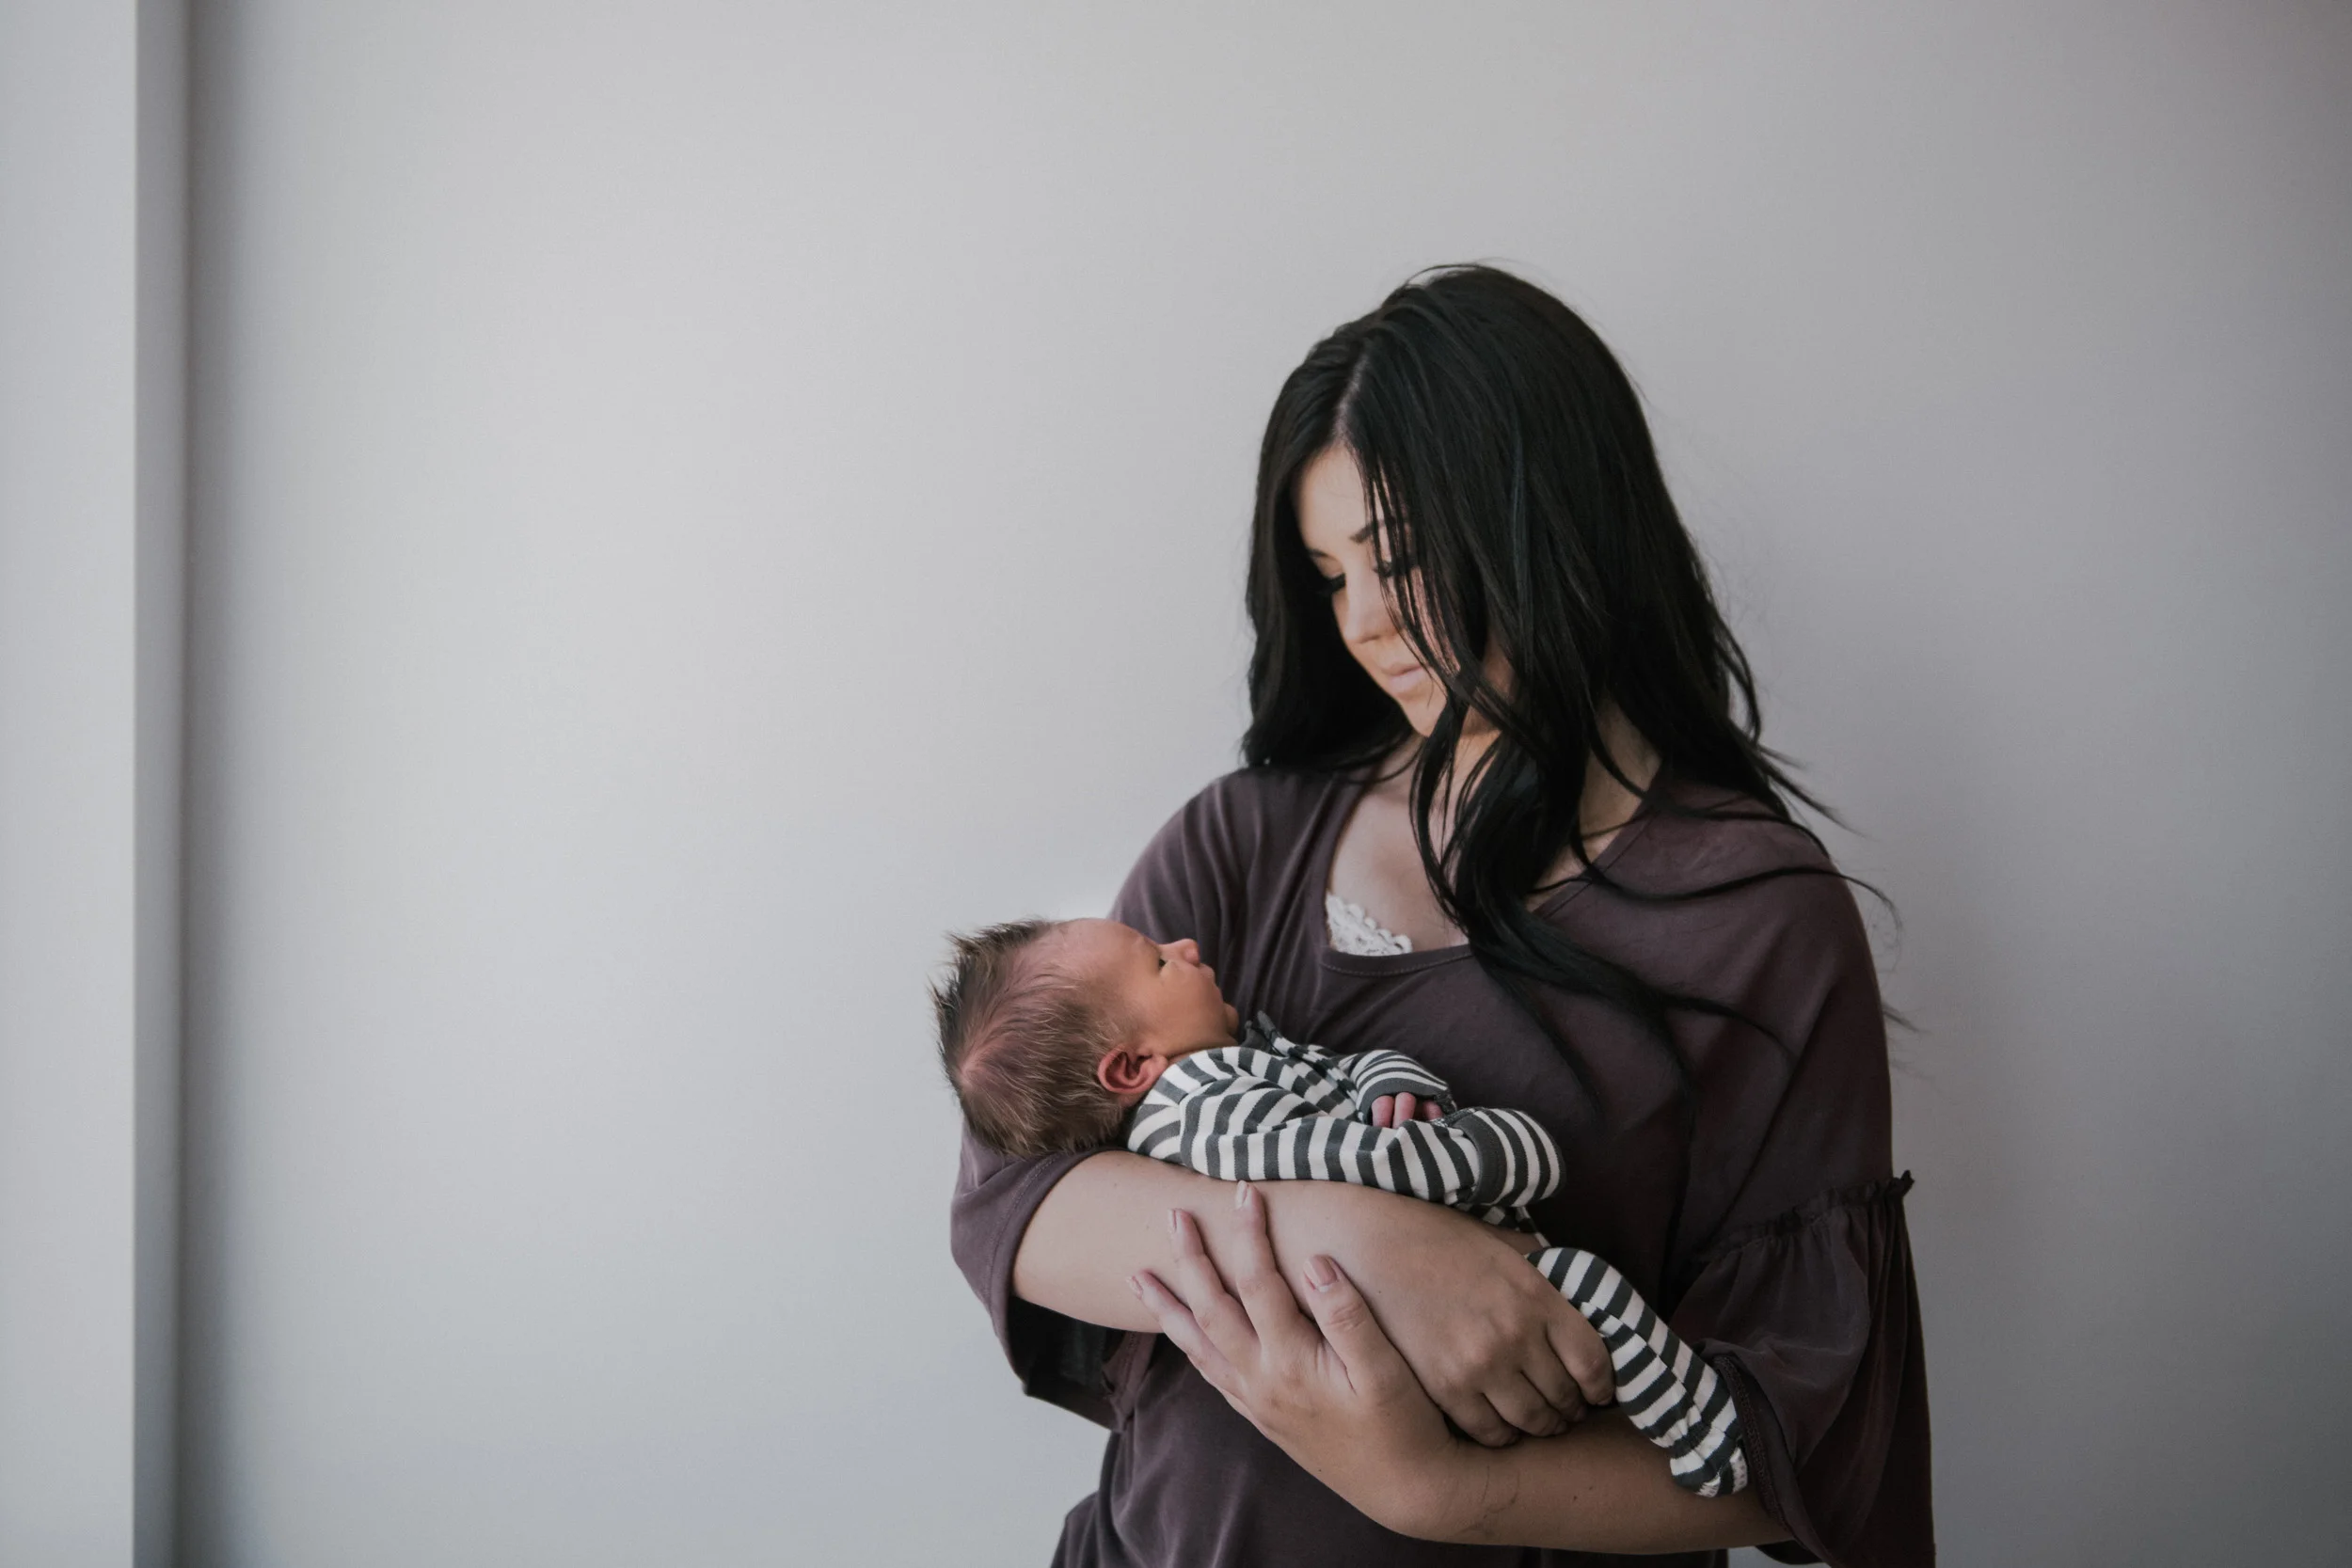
(1364,614)
(1189,950)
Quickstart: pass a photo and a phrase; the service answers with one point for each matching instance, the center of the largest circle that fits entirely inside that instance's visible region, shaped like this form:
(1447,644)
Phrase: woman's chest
(1613,1113)
(1375,865)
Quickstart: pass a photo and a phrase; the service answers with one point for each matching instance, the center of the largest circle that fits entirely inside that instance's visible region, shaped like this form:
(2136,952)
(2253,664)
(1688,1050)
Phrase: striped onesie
(1271,1109)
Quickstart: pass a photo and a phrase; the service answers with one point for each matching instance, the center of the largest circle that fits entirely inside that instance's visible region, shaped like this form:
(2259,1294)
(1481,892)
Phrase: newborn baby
(1065,1035)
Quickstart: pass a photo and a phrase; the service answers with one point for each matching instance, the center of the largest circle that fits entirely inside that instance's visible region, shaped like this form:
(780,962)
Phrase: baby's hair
(1020,1041)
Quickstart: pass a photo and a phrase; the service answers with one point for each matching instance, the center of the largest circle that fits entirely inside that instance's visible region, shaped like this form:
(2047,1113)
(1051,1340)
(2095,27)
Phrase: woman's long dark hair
(1508,468)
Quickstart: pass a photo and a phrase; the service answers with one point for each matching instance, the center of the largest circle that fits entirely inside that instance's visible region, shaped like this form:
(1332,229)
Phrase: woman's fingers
(1586,1356)
(1525,1407)
(1384,1111)
(1257,1278)
(1193,1280)
(1348,1326)
(1478,1420)
(1550,1375)
(1242,1329)
(1183,1330)
(1457,1397)
(1408,1107)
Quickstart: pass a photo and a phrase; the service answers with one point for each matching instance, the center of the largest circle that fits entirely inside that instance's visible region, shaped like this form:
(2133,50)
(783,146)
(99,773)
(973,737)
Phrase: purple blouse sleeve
(1058,1359)
(1815,1320)
(1805,1299)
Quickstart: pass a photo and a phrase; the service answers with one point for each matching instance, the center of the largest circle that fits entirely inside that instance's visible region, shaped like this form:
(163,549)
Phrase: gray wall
(694,498)
(66,611)
(93,292)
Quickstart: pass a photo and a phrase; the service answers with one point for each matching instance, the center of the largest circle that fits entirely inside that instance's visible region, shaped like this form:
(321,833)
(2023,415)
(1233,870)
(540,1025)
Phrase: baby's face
(1167,995)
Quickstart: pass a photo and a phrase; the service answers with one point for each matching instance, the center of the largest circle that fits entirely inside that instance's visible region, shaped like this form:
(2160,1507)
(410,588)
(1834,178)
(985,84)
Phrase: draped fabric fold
(1814,1316)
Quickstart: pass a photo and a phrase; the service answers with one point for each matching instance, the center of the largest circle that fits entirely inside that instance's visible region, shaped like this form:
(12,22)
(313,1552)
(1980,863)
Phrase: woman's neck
(1608,804)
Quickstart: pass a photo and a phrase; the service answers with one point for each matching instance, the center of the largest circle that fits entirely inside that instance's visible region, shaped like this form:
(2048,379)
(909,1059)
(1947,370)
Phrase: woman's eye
(1331,586)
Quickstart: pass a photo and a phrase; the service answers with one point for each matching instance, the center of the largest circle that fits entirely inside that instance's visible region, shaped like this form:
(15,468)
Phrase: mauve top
(1759,1214)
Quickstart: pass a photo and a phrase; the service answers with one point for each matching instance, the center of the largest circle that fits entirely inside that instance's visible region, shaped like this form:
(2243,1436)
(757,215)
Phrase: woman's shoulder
(1252,805)
(1222,848)
(1693,837)
(1724,897)
(1739,864)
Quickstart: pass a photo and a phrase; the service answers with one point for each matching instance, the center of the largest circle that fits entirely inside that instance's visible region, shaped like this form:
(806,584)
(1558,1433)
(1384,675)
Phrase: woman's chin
(1233,1017)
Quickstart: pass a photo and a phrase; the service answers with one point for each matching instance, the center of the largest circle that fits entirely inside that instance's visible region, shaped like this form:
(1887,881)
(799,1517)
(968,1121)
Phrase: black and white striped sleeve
(1278,1118)
(1369,1074)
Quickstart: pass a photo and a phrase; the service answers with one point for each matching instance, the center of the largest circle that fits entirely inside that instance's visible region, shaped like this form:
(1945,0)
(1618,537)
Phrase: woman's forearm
(1341,1394)
(1492,1343)
(1106,1220)
(1103,1220)
(1598,1488)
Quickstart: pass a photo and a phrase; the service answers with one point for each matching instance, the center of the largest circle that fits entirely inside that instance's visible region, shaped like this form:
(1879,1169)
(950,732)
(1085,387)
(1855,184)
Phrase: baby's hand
(1392,1109)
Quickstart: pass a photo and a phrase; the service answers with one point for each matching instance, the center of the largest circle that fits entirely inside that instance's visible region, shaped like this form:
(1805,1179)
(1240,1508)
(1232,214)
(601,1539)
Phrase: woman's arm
(1599,1488)
(1490,1340)
(1337,1397)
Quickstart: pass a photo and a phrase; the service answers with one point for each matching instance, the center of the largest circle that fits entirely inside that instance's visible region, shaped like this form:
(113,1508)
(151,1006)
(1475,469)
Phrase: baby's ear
(1128,1072)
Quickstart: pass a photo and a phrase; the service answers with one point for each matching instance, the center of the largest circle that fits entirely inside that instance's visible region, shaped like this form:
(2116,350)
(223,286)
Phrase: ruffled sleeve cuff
(1813,1317)
(1058,1360)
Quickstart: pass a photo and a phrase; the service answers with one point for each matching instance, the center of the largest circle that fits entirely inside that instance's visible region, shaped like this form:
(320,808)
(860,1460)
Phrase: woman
(1505,810)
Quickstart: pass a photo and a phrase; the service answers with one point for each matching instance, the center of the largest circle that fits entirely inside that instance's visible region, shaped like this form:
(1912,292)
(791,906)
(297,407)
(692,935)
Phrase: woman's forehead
(1332,510)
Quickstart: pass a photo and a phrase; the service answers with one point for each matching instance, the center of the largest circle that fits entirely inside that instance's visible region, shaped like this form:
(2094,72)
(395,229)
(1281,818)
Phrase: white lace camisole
(1354,931)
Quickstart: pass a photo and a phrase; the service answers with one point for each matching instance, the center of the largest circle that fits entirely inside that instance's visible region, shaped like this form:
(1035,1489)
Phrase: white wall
(694,498)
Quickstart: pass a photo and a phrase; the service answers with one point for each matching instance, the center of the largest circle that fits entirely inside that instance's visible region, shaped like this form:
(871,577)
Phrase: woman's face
(1335,524)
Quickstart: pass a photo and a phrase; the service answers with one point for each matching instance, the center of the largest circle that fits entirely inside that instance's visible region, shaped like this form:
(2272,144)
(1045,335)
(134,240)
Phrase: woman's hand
(1501,1351)
(1337,1397)
(1332,1393)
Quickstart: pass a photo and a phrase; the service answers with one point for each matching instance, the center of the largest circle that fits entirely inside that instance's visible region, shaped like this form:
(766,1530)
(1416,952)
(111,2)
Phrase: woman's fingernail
(1176,1223)
(1134,1283)
(1240,1195)
(1322,1273)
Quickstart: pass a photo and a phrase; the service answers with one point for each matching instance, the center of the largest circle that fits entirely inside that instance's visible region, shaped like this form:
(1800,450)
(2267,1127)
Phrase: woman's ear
(1127,1072)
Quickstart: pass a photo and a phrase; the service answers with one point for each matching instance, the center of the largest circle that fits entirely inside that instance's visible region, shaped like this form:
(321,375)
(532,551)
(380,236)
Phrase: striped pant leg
(1672,1396)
